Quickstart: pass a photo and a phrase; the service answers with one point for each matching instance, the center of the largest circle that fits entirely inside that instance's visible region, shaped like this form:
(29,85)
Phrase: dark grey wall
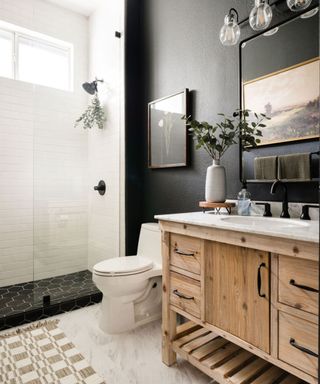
(134,107)
(181,49)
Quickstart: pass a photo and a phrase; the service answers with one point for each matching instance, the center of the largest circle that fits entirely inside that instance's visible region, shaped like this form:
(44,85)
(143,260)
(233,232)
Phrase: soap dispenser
(244,201)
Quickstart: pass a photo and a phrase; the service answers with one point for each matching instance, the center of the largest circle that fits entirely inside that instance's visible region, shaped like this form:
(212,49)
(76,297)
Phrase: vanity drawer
(298,283)
(298,343)
(185,293)
(185,253)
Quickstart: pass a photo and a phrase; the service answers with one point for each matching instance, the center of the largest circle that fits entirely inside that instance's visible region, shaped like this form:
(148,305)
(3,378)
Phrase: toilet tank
(149,245)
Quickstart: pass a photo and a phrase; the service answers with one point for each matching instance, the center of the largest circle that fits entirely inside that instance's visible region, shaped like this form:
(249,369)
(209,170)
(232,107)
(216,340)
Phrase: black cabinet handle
(176,250)
(259,280)
(302,349)
(182,296)
(305,287)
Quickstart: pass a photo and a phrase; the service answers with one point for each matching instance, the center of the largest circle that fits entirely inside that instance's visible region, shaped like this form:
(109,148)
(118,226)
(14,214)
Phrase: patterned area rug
(42,354)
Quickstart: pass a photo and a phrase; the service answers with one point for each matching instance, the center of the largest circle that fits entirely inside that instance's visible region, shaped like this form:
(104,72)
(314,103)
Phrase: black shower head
(91,88)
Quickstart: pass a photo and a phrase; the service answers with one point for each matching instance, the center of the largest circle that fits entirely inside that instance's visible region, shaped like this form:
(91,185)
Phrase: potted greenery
(218,138)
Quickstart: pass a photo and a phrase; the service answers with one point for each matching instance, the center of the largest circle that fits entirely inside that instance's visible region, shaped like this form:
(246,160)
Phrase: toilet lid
(123,265)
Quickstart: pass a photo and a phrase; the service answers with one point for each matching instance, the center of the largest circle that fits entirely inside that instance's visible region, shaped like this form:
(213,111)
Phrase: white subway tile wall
(43,158)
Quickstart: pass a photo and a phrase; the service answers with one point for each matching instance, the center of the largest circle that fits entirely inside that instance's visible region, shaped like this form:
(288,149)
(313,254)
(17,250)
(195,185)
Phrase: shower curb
(47,311)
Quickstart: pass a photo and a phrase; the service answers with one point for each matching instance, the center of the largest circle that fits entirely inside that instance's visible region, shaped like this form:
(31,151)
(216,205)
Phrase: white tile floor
(130,358)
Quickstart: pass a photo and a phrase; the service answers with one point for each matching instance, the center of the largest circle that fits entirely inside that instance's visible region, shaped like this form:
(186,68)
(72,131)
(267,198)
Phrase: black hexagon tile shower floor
(67,292)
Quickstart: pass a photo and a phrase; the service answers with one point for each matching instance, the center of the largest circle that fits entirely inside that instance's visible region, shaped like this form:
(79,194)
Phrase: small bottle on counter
(244,201)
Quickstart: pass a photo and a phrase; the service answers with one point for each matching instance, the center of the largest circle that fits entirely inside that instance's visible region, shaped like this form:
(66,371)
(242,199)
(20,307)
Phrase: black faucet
(305,211)
(267,209)
(273,190)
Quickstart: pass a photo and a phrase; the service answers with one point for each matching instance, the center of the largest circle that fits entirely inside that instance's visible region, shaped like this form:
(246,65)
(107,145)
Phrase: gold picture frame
(290,97)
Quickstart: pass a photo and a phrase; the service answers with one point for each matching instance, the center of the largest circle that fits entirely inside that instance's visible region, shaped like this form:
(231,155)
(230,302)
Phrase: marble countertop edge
(310,233)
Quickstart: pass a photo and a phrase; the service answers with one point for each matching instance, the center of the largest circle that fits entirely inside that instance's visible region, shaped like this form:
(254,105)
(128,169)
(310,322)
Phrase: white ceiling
(85,7)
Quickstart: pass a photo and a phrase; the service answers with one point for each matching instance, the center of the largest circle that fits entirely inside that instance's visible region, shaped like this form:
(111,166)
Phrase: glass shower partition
(60,197)
(44,193)
(53,226)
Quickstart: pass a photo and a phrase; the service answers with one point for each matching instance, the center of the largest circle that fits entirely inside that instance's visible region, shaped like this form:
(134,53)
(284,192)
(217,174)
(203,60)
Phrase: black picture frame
(167,131)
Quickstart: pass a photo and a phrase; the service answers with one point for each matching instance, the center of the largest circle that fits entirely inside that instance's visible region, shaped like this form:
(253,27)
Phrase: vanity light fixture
(230,31)
(298,5)
(260,16)
(259,19)
(309,14)
(271,32)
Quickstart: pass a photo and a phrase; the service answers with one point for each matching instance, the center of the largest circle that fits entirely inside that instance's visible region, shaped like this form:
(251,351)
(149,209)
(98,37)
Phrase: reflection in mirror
(280,78)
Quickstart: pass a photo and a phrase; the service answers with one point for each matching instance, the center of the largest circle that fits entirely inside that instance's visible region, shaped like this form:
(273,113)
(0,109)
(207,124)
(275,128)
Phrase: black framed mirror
(279,76)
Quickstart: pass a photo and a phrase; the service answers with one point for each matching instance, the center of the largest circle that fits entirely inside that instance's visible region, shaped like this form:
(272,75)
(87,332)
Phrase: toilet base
(118,316)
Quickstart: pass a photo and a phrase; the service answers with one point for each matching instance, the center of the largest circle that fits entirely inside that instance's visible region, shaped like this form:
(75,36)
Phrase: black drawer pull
(305,287)
(176,250)
(182,296)
(259,280)
(302,349)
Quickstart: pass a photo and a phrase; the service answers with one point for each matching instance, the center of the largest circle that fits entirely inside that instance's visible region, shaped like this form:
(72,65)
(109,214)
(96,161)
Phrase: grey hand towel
(294,166)
(265,168)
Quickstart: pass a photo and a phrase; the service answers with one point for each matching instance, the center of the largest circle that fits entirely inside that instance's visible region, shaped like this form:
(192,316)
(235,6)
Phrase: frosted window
(42,63)
(6,49)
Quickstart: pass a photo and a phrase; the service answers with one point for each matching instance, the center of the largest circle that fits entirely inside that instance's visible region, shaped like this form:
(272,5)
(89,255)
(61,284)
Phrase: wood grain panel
(303,272)
(232,300)
(190,288)
(305,334)
(169,318)
(295,248)
(185,253)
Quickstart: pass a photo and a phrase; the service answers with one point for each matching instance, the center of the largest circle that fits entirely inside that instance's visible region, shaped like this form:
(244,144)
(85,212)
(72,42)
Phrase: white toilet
(131,286)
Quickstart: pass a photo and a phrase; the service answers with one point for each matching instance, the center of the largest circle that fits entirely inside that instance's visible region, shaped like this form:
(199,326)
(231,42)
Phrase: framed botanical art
(290,97)
(167,131)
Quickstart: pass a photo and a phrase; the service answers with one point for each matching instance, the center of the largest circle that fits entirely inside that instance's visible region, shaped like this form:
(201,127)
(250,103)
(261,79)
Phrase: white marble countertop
(295,229)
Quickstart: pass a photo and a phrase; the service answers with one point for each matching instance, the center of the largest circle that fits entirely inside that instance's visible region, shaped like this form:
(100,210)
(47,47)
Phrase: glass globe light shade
(298,5)
(260,16)
(309,14)
(230,31)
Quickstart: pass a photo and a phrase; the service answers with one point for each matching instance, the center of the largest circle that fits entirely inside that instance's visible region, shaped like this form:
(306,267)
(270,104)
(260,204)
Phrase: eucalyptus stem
(218,138)
(94,115)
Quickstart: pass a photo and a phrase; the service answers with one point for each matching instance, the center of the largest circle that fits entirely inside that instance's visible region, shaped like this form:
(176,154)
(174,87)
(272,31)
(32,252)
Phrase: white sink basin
(264,222)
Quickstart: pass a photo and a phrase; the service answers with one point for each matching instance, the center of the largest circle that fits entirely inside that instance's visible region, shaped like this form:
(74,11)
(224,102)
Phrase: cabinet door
(237,285)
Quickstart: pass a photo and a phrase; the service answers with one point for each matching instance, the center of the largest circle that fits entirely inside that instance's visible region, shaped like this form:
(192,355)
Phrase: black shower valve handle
(101,187)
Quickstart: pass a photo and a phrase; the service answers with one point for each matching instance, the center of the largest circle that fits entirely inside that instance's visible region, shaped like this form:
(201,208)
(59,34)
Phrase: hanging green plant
(93,116)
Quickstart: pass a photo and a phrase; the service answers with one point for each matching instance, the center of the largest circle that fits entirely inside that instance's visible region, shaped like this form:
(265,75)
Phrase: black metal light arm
(234,13)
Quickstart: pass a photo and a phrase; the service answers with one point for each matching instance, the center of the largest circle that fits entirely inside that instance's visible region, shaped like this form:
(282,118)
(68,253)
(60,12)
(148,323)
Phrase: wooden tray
(224,361)
(216,206)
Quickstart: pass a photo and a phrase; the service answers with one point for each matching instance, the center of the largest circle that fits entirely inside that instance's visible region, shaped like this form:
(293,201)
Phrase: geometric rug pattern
(42,354)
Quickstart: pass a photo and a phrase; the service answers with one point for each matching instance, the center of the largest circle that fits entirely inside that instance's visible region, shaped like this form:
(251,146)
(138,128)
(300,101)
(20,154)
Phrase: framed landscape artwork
(167,131)
(290,97)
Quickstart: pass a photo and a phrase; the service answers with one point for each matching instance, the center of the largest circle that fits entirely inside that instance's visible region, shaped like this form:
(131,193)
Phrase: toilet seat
(123,266)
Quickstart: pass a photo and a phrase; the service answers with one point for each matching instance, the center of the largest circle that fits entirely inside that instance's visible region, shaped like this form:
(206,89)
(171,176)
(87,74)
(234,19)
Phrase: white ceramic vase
(216,185)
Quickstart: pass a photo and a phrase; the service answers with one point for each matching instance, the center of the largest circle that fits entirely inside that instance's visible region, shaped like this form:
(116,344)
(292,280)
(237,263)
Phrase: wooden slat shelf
(224,361)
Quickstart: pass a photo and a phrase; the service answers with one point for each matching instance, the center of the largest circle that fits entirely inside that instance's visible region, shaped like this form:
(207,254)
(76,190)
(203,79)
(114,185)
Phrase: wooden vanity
(251,301)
